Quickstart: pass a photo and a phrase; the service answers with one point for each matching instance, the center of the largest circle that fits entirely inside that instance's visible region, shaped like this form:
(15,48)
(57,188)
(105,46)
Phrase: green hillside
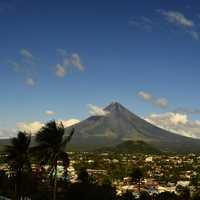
(131,146)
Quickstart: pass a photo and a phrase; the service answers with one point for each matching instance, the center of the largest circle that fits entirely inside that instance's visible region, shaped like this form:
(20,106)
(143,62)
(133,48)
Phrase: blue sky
(60,56)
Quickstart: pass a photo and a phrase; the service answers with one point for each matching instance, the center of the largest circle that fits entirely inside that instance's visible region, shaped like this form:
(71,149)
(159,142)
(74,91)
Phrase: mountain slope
(121,125)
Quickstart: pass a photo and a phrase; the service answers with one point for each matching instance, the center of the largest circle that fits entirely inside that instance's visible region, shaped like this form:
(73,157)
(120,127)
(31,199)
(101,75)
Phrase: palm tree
(137,175)
(51,146)
(18,159)
(145,196)
(83,176)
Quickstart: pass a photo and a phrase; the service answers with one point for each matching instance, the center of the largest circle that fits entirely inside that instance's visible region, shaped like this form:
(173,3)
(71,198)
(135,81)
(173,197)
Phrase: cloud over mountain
(30,127)
(7,133)
(69,122)
(176,122)
(34,127)
(96,111)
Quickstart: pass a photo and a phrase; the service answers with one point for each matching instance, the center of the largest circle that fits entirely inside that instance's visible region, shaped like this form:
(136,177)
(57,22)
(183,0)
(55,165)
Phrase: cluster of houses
(157,165)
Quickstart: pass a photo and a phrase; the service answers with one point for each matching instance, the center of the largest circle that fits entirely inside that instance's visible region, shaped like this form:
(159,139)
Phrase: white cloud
(30,127)
(68,62)
(96,111)
(161,102)
(174,118)
(26,66)
(180,20)
(30,81)
(50,113)
(27,54)
(69,122)
(177,18)
(7,133)
(177,118)
(61,71)
(34,127)
(76,61)
(177,123)
(145,95)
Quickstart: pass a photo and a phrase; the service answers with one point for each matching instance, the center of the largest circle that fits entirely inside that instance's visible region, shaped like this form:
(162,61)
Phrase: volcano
(119,125)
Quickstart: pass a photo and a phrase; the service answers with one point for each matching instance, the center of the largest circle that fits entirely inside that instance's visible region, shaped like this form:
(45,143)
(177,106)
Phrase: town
(158,173)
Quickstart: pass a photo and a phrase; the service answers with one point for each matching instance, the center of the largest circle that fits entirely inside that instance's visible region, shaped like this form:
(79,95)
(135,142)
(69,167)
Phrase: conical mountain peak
(120,124)
(115,106)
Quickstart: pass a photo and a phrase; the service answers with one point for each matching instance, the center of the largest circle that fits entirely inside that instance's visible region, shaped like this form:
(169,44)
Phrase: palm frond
(18,151)
(68,138)
(64,158)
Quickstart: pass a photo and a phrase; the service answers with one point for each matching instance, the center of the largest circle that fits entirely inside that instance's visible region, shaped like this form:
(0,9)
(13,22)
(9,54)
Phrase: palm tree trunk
(16,190)
(139,186)
(18,185)
(55,183)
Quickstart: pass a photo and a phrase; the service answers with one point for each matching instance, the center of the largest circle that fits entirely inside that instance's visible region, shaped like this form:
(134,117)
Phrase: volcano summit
(119,125)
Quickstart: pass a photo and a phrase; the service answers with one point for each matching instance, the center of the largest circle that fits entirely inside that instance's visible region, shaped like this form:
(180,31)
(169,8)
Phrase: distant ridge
(120,125)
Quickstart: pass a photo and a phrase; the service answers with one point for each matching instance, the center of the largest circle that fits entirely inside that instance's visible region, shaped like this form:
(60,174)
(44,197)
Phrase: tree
(51,149)
(128,195)
(83,175)
(145,196)
(4,183)
(18,159)
(137,175)
(90,191)
(196,196)
(195,180)
(185,193)
(166,196)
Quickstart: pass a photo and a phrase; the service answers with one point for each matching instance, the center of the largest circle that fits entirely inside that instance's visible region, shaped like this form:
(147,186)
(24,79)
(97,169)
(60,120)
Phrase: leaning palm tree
(18,160)
(51,146)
